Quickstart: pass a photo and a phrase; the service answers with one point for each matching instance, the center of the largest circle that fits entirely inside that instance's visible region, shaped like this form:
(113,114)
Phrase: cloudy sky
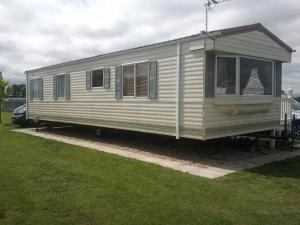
(36,33)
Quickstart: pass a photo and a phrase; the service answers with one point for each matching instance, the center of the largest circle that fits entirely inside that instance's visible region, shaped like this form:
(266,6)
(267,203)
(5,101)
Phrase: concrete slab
(180,165)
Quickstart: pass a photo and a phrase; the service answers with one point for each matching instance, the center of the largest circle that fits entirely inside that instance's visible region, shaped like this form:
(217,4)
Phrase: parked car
(19,116)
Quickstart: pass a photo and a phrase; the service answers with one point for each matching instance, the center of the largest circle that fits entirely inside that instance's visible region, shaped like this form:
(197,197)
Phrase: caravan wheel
(98,132)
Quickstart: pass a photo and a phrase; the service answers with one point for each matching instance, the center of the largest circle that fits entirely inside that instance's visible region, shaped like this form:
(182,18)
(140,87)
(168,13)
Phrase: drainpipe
(203,93)
(178,89)
(27,112)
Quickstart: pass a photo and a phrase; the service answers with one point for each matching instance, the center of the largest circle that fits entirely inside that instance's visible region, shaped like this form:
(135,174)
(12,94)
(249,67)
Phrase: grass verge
(47,182)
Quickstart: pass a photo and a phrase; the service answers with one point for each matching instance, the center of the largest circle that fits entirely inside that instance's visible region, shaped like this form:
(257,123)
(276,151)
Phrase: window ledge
(243,100)
(61,99)
(243,105)
(135,98)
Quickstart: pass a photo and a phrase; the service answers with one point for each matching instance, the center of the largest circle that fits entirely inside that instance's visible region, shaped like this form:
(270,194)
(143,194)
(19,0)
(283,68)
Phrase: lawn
(46,182)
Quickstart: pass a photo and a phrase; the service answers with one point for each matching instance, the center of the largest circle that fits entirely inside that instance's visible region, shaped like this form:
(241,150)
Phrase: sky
(37,33)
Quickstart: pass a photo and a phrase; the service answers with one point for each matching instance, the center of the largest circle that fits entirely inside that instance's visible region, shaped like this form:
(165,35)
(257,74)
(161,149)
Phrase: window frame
(273,74)
(57,89)
(134,78)
(238,75)
(134,83)
(95,69)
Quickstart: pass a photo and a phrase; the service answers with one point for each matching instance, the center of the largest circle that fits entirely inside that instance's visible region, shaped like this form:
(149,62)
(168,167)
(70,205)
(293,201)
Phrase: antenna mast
(210,5)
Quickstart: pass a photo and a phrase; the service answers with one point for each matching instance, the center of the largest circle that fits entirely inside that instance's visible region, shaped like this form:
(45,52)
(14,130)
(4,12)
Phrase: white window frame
(238,75)
(134,77)
(95,69)
(57,88)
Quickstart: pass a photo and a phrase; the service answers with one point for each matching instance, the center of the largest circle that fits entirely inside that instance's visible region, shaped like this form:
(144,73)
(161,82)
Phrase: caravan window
(35,88)
(255,77)
(128,80)
(142,73)
(97,78)
(226,76)
(61,86)
(135,79)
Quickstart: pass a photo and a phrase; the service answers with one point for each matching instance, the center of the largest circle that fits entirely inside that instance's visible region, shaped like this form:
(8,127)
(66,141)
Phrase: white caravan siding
(223,120)
(253,43)
(99,107)
(191,90)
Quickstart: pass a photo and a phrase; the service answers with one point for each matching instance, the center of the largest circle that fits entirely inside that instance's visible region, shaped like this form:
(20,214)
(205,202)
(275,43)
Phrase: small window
(255,77)
(128,80)
(226,76)
(142,72)
(97,78)
(61,86)
(35,88)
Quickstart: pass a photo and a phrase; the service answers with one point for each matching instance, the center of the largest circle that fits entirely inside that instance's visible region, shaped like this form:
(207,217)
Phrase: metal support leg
(273,141)
(36,123)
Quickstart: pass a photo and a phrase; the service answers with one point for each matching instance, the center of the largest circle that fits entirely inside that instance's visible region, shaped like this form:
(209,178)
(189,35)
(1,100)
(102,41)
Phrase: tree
(23,91)
(5,91)
(19,91)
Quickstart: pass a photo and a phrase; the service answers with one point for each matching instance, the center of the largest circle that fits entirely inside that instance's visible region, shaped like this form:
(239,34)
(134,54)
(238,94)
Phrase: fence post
(290,112)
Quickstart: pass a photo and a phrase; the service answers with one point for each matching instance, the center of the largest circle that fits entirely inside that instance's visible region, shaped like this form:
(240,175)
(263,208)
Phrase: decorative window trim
(238,75)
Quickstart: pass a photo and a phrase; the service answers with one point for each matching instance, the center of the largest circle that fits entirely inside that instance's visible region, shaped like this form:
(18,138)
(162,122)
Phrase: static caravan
(210,85)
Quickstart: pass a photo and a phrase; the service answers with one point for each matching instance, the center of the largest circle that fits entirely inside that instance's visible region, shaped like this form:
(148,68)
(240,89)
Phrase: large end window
(61,86)
(226,76)
(135,80)
(97,78)
(255,77)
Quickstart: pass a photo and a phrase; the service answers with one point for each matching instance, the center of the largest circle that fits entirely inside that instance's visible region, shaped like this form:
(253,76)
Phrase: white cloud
(36,33)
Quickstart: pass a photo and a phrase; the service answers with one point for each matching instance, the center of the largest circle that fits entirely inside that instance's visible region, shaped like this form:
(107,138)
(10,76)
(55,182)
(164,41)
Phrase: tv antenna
(209,6)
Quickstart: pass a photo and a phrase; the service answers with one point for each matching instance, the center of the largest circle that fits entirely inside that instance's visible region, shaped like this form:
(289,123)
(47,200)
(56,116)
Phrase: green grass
(46,182)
